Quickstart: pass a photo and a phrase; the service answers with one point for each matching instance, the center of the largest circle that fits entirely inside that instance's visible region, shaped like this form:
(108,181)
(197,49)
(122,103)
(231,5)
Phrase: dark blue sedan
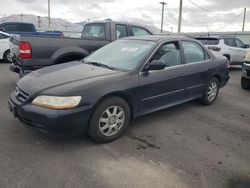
(123,80)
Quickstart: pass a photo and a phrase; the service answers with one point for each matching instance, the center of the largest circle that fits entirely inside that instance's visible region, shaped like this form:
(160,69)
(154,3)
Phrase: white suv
(4,47)
(234,49)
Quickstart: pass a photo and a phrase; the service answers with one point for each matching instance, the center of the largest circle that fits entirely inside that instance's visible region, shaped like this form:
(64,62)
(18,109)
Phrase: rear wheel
(245,83)
(7,56)
(210,92)
(109,120)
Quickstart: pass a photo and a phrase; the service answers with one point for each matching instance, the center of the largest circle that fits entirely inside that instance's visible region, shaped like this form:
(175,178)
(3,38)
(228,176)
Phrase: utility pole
(162,14)
(180,17)
(39,21)
(244,19)
(21,16)
(49,12)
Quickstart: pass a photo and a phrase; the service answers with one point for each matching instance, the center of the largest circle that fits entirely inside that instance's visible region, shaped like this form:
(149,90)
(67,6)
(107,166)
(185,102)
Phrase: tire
(210,92)
(6,56)
(103,125)
(245,83)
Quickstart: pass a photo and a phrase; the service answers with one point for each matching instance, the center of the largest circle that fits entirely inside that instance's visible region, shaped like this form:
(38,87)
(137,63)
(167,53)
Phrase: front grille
(20,95)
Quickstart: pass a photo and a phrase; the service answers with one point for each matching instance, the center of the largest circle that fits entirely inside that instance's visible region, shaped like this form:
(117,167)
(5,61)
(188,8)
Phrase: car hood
(57,75)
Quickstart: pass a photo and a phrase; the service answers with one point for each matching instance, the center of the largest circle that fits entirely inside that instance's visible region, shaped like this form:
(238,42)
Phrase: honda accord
(121,81)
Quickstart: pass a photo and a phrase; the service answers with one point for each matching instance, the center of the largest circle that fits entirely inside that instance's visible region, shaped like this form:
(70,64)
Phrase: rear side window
(25,27)
(208,41)
(193,52)
(230,42)
(138,31)
(18,27)
(121,31)
(10,27)
(94,30)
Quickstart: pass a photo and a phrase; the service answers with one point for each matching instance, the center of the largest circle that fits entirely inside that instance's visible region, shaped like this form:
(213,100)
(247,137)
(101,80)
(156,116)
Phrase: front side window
(122,54)
(138,31)
(193,52)
(169,54)
(239,44)
(94,30)
(121,31)
(230,42)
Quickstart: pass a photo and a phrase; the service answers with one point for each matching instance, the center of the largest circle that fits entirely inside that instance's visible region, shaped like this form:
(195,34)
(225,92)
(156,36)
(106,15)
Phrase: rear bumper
(51,121)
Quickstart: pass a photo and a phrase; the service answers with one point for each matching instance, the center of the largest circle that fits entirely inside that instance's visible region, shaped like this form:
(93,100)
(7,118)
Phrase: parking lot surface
(188,146)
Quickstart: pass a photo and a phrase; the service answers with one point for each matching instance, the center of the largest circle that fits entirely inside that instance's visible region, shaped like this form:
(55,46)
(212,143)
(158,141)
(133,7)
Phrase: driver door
(162,88)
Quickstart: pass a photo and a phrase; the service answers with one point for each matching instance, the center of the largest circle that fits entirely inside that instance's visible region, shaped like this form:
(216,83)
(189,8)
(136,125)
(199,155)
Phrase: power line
(233,20)
(211,12)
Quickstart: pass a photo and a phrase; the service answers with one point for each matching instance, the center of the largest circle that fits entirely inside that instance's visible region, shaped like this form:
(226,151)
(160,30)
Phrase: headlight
(57,102)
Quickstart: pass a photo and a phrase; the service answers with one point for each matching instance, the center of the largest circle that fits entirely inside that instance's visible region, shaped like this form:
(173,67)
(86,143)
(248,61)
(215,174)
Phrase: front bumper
(51,121)
(246,70)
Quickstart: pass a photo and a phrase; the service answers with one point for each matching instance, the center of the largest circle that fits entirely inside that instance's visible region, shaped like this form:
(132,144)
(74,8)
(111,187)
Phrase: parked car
(123,80)
(231,47)
(245,78)
(33,52)
(21,28)
(4,47)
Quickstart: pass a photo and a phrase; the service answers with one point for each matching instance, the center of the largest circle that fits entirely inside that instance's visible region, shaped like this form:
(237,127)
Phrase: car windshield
(121,54)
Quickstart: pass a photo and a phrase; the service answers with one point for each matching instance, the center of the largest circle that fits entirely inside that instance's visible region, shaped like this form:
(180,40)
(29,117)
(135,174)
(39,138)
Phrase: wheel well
(218,77)
(227,56)
(6,52)
(116,94)
(69,58)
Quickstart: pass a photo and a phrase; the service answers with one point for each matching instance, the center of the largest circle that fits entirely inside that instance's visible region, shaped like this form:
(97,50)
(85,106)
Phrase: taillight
(214,48)
(24,50)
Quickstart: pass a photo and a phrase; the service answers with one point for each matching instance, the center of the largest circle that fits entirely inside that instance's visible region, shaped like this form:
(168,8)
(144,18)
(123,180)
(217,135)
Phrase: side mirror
(155,65)
(246,46)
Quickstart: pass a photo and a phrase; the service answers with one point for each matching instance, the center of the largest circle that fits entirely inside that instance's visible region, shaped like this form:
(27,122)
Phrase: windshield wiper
(99,64)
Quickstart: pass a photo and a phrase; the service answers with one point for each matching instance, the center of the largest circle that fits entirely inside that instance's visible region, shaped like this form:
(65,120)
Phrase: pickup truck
(34,52)
(21,28)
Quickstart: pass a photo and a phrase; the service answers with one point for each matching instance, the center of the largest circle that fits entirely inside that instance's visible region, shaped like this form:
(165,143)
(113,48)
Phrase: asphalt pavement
(187,146)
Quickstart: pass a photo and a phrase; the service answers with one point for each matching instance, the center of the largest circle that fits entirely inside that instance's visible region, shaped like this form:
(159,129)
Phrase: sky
(212,15)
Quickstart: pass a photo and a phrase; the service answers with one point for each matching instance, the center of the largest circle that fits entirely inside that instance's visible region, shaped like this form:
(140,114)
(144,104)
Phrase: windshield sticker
(129,49)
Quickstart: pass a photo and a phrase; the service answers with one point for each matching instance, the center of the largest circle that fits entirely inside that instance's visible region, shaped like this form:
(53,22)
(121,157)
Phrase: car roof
(214,37)
(158,38)
(4,33)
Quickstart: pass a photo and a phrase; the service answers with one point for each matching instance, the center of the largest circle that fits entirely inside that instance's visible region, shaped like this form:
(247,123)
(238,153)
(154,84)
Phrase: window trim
(203,49)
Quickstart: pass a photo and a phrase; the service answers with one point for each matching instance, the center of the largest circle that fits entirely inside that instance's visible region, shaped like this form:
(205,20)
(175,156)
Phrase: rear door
(161,88)
(235,52)
(199,67)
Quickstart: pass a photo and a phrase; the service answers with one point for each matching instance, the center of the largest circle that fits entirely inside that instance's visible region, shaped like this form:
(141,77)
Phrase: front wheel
(245,83)
(109,120)
(210,92)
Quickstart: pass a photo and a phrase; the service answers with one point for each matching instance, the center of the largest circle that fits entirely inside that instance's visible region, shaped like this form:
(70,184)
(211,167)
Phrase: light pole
(180,17)
(49,13)
(162,14)
(244,20)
